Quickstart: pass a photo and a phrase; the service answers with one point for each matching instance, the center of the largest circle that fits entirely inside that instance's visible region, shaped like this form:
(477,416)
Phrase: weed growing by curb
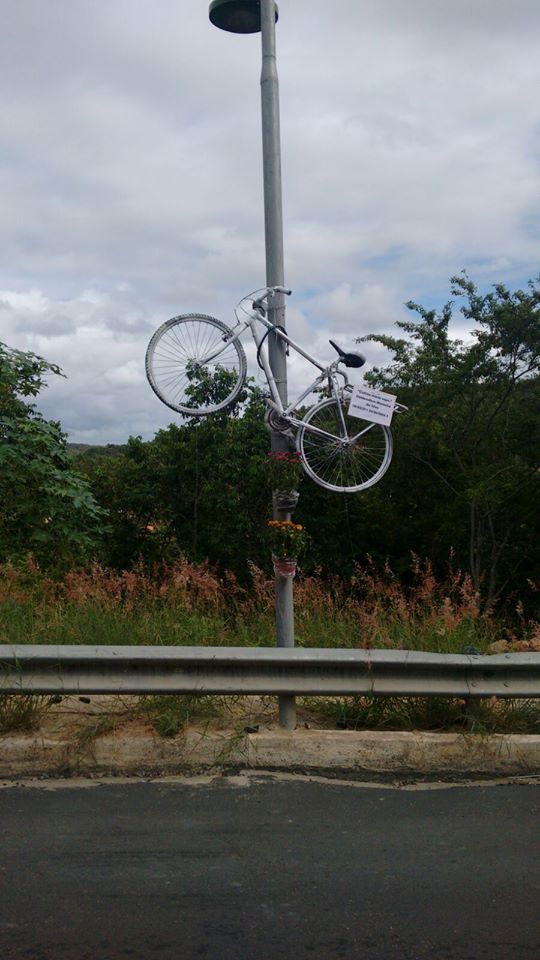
(23,712)
(170,714)
(436,714)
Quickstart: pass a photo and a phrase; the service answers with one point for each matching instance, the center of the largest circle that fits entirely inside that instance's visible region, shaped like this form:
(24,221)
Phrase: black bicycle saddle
(349,359)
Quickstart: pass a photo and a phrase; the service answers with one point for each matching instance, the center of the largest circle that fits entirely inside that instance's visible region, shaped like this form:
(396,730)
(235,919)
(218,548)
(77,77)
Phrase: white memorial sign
(372,405)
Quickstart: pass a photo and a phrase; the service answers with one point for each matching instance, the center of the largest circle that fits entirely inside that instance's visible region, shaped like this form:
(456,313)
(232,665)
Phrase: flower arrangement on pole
(285,472)
(288,541)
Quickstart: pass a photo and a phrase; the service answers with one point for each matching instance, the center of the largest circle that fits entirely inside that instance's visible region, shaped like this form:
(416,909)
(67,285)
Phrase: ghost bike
(197,366)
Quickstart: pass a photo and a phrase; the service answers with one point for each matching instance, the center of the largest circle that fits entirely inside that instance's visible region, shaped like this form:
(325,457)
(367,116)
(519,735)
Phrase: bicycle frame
(329,374)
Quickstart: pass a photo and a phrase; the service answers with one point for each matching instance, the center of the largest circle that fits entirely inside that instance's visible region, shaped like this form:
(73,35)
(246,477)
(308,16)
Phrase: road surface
(254,867)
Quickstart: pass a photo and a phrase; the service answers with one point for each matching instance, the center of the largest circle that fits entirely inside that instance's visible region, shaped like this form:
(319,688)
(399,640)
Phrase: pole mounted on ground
(254,16)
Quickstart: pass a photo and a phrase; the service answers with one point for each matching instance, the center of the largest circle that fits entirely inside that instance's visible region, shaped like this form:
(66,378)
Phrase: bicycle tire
(182,342)
(343,469)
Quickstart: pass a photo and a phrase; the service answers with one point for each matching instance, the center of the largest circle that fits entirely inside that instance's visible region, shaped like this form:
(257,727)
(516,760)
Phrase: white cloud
(131,186)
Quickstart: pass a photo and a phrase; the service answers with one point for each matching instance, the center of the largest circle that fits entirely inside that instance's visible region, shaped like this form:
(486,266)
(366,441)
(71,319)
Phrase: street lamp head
(237,16)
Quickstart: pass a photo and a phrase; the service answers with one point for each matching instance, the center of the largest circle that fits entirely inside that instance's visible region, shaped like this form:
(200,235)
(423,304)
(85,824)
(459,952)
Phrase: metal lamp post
(252,16)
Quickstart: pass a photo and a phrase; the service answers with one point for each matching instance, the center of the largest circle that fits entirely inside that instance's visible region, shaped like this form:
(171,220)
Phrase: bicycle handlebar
(258,303)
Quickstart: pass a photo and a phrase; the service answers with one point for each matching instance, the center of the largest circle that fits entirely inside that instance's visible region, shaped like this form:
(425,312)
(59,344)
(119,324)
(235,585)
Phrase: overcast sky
(131,176)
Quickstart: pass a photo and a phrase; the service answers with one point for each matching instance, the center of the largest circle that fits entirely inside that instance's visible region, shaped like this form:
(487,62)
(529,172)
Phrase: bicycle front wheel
(348,454)
(192,365)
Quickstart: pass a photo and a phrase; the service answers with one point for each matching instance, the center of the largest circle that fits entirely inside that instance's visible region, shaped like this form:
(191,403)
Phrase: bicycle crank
(275,421)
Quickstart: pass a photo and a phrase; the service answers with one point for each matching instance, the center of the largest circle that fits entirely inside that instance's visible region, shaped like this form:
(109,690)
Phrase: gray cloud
(131,187)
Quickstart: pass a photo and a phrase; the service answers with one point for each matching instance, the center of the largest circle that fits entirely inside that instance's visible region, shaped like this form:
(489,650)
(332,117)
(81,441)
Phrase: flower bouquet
(288,540)
(284,475)
(284,470)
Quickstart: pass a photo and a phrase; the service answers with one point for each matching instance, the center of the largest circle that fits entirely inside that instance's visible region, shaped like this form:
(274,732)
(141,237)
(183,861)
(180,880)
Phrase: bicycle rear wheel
(178,372)
(344,467)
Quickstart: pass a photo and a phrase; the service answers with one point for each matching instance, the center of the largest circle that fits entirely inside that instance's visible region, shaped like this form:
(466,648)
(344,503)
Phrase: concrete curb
(347,754)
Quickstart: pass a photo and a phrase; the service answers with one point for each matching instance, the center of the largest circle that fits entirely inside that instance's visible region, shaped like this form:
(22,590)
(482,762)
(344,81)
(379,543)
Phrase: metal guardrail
(47,669)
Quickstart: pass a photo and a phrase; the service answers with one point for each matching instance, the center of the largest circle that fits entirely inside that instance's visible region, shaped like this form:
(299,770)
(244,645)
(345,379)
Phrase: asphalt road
(256,868)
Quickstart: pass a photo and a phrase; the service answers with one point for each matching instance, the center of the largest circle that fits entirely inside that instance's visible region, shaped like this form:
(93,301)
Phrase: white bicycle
(197,366)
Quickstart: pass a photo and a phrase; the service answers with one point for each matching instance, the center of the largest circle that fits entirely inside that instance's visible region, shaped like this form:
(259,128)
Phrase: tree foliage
(197,488)
(46,508)
(473,426)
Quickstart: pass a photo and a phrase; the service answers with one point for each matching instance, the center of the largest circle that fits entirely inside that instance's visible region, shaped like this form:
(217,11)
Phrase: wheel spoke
(178,373)
(340,462)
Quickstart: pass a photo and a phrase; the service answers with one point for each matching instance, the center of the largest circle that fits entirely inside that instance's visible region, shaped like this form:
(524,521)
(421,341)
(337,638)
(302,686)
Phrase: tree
(473,425)
(197,488)
(46,508)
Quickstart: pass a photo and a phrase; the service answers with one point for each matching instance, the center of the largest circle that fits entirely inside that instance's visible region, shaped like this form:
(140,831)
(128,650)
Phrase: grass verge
(189,604)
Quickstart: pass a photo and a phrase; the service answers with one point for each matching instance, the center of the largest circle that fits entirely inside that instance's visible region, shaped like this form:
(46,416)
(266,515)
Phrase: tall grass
(23,712)
(191,604)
